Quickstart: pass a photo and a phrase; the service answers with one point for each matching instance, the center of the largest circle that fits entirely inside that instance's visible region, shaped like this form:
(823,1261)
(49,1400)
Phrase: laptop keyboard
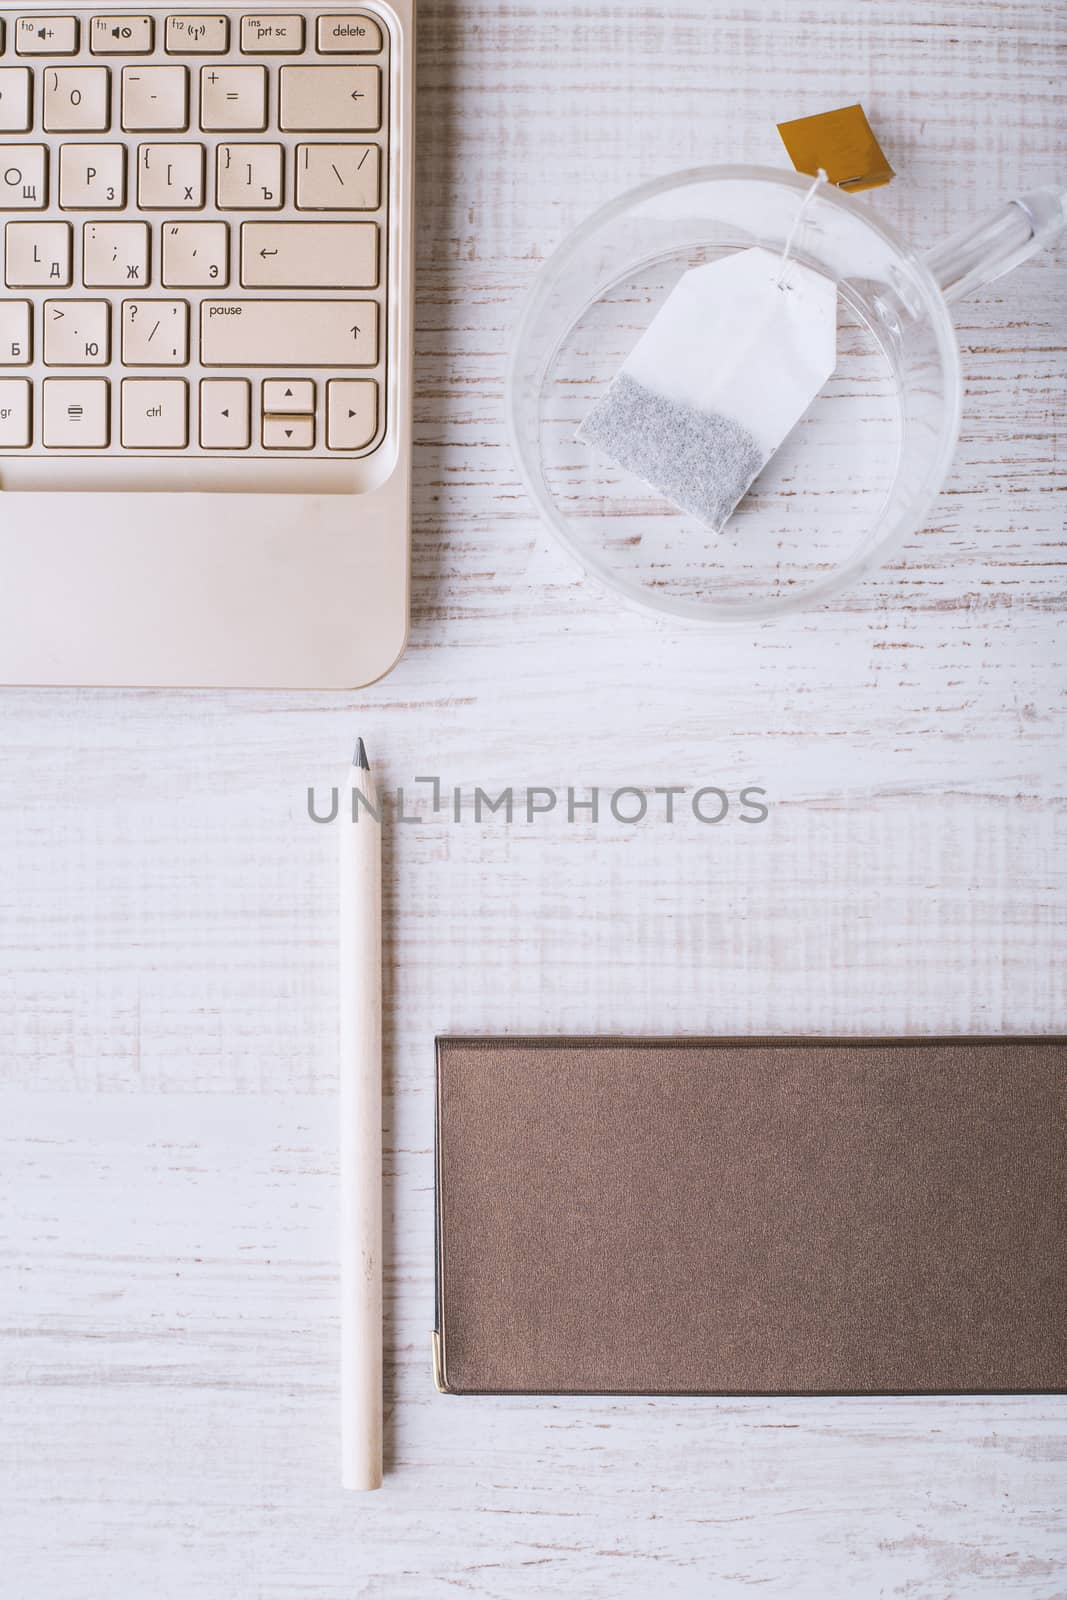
(196,240)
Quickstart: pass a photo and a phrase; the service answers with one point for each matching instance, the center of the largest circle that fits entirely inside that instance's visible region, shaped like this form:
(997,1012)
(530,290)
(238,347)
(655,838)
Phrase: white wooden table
(168,1177)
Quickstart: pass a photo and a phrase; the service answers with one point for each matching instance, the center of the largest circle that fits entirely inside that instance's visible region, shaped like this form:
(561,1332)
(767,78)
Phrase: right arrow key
(351,413)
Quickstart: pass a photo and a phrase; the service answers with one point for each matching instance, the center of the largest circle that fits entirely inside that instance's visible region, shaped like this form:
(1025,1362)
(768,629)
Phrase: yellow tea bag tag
(842,143)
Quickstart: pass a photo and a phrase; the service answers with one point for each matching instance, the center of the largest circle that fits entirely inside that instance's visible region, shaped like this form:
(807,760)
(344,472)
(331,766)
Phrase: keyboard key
(76,99)
(37,254)
(309,255)
(155,413)
(155,333)
(170,176)
(225,413)
(338,177)
(76,413)
(23,177)
(349,36)
(249,177)
(92,176)
(15,332)
(195,255)
(288,433)
(155,99)
(233,97)
(288,395)
(288,333)
(14,412)
(270,35)
(92,320)
(334,99)
(351,413)
(76,333)
(197,36)
(115,255)
(120,36)
(46,36)
(14,99)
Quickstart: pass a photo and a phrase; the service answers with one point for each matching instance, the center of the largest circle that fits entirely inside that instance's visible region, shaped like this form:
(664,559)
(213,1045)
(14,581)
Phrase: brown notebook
(764,1216)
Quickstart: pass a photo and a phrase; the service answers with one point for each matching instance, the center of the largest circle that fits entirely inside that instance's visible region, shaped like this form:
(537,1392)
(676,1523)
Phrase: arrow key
(288,395)
(225,406)
(281,432)
(351,413)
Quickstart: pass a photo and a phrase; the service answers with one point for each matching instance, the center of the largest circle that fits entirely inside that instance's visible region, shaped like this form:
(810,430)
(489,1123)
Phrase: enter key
(309,255)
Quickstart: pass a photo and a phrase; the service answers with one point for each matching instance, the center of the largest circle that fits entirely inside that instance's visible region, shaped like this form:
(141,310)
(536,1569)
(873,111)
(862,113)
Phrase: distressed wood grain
(168,1288)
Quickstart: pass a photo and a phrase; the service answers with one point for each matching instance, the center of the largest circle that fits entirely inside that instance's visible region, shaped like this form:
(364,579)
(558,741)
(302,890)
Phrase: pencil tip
(360,757)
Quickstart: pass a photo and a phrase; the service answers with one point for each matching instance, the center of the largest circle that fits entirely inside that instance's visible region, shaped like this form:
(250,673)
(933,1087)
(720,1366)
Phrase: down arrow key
(288,433)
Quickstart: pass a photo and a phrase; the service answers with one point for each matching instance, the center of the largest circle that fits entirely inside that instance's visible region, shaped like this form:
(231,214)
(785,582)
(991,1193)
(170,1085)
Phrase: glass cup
(856,476)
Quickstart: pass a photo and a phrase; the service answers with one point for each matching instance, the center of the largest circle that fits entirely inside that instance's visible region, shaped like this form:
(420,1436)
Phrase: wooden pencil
(361,1127)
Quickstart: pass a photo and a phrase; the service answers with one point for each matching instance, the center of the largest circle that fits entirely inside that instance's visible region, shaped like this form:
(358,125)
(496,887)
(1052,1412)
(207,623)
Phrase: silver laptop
(205,344)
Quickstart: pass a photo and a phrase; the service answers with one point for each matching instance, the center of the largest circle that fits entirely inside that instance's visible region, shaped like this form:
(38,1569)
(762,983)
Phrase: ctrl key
(155,414)
(14,413)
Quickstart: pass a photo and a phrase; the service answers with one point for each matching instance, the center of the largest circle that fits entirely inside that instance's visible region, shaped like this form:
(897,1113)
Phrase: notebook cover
(762,1216)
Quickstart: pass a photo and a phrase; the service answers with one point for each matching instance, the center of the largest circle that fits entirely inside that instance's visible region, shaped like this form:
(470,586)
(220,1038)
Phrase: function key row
(153,413)
(260,34)
(316,99)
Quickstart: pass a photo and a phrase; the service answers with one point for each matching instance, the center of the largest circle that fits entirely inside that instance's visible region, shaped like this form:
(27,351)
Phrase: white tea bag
(725,370)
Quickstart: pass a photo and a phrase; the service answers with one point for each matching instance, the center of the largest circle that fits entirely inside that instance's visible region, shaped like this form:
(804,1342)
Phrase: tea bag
(728,366)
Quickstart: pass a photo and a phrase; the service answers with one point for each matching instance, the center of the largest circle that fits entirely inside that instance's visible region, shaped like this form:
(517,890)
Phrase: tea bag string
(798,221)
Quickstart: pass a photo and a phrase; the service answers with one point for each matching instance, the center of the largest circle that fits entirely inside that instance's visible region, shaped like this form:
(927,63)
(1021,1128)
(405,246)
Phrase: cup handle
(986,250)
